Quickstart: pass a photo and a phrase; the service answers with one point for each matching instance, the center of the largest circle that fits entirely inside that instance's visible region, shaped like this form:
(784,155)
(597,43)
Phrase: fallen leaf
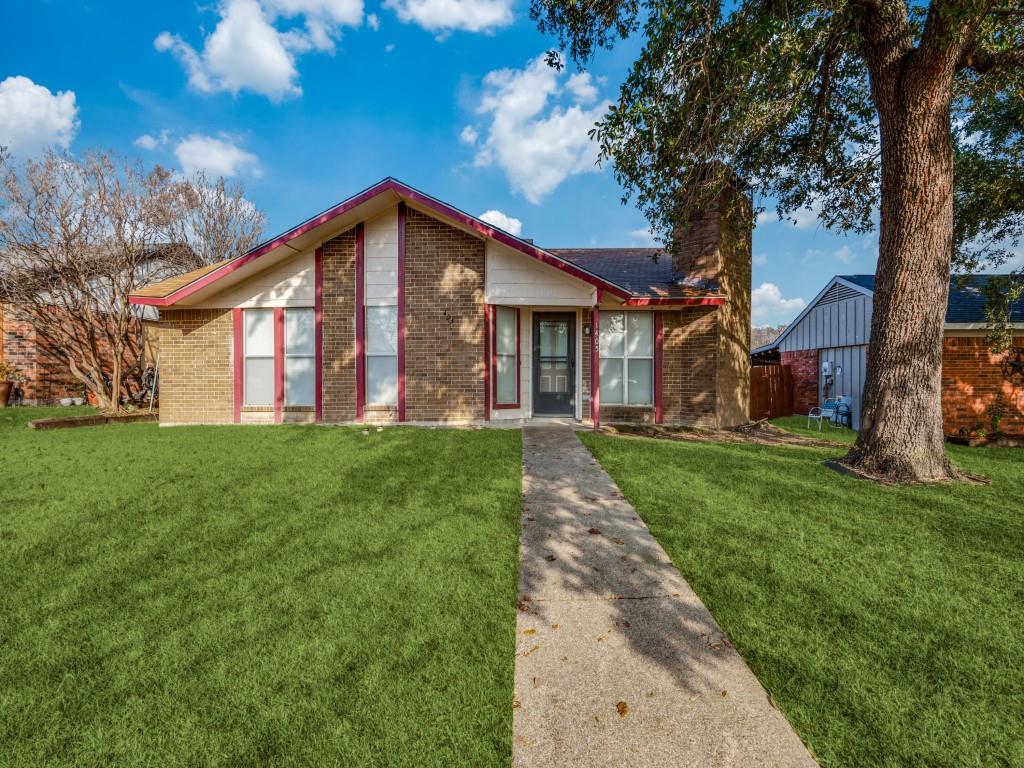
(523,606)
(724,694)
(555,626)
(602,638)
(625,624)
(623,708)
(536,682)
(535,648)
(530,631)
(618,541)
(516,703)
(594,531)
(531,519)
(551,558)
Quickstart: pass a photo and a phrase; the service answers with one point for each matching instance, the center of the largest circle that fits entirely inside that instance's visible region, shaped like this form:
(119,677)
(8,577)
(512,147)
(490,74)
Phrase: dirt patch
(93,420)
(759,433)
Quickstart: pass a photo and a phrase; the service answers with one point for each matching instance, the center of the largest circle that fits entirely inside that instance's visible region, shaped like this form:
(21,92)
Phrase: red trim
(676,301)
(397,187)
(488,361)
(360,322)
(595,364)
(278,363)
(238,343)
(401,311)
(494,360)
(659,332)
(318,331)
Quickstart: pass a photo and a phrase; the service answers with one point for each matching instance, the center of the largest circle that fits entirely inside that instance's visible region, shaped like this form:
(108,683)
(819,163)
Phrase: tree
(79,235)
(855,106)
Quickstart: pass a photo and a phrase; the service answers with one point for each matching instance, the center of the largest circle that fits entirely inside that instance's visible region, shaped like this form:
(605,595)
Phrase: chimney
(712,253)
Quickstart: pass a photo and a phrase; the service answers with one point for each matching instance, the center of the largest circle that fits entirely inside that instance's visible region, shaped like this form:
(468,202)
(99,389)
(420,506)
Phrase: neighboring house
(826,347)
(393,306)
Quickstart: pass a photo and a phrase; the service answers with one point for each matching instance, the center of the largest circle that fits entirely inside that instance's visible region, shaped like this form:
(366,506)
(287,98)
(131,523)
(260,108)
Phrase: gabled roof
(170,292)
(966,305)
(646,272)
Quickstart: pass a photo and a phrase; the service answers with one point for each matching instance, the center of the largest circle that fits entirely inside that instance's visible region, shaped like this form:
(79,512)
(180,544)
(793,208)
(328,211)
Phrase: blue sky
(308,101)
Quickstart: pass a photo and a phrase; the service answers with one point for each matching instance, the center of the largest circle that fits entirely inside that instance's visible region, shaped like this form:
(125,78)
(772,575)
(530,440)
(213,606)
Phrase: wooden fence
(771,392)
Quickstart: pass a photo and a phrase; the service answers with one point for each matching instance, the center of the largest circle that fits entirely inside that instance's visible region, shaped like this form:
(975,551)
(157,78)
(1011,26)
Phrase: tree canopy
(781,93)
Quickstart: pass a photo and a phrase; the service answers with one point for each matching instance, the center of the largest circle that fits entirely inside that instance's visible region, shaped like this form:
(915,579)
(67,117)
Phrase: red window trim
(595,363)
(401,311)
(360,322)
(278,363)
(238,328)
(659,333)
(494,360)
(318,335)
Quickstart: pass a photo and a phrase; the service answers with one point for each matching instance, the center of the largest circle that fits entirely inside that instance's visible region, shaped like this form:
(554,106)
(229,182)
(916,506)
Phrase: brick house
(826,347)
(393,306)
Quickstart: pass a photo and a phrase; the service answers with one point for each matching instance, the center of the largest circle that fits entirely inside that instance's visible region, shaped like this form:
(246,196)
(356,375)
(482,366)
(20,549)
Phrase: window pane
(554,338)
(506,379)
(611,382)
(298,331)
(299,384)
(259,332)
(640,382)
(505,331)
(640,334)
(382,380)
(612,334)
(259,381)
(382,330)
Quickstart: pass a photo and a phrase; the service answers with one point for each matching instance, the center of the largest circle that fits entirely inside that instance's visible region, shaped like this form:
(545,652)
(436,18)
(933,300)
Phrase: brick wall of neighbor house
(339,333)
(444,321)
(804,367)
(46,378)
(972,378)
(196,380)
(689,364)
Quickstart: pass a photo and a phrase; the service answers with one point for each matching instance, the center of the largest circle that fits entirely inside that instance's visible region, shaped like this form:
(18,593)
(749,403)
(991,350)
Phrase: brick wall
(444,321)
(689,365)
(972,377)
(339,331)
(196,381)
(804,367)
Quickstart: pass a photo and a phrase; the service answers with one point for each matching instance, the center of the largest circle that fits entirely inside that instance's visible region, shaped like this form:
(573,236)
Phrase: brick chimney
(712,253)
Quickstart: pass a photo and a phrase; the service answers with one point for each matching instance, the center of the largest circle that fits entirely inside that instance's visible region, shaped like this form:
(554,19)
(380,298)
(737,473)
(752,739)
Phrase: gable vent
(838,292)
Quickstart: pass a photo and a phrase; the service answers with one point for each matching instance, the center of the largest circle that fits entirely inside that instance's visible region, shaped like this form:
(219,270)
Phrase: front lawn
(256,595)
(885,622)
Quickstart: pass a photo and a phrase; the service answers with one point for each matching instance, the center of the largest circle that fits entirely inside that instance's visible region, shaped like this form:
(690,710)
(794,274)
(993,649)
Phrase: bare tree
(79,235)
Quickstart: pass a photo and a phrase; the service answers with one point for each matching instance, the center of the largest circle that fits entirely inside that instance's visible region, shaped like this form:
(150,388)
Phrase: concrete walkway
(618,663)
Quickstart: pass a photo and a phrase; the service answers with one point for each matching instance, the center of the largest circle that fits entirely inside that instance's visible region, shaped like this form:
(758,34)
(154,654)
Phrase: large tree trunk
(901,435)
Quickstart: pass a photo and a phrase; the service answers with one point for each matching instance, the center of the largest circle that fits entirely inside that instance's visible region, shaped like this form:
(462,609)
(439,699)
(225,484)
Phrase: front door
(554,364)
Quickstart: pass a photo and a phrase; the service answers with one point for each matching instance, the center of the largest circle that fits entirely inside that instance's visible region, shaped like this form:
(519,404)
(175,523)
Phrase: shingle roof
(966,297)
(644,272)
(171,284)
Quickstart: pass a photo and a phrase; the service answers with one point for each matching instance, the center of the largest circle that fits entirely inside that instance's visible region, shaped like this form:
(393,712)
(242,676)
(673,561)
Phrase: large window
(382,356)
(259,357)
(506,357)
(299,357)
(627,358)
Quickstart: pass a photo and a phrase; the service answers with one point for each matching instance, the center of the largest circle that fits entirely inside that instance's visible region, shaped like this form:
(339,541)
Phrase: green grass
(887,623)
(256,596)
(798,425)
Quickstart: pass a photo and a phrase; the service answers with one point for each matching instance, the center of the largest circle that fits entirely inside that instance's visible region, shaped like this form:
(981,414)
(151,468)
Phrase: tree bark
(901,436)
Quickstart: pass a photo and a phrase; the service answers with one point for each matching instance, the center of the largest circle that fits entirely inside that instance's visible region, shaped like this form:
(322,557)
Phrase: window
(627,358)
(259,357)
(506,357)
(299,357)
(382,356)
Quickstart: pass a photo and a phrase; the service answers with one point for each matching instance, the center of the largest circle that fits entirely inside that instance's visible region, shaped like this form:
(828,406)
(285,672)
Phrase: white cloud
(769,308)
(215,156)
(501,221)
(802,218)
(32,117)
(469,135)
(150,142)
(448,15)
(760,259)
(373,21)
(845,254)
(389,48)
(537,128)
(248,52)
(767,217)
(581,85)
(644,236)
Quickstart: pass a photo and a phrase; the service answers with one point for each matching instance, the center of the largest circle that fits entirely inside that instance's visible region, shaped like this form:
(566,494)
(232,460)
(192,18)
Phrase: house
(826,348)
(393,306)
